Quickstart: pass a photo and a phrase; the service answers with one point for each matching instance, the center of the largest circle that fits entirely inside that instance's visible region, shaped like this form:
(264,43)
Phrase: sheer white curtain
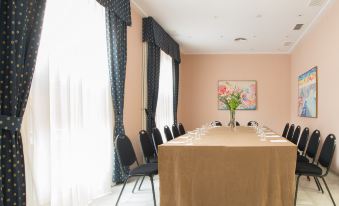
(164,112)
(68,124)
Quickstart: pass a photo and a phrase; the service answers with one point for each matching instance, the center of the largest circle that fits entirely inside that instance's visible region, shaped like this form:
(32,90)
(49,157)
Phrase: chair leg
(321,188)
(296,191)
(328,190)
(123,187)
(135,185)
(155,203)
(141,182)
(317,183)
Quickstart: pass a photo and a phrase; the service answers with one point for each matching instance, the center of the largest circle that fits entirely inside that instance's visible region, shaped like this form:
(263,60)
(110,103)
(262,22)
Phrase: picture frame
(249,94)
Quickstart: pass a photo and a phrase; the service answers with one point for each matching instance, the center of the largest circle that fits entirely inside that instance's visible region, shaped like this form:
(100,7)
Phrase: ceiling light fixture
(298,26)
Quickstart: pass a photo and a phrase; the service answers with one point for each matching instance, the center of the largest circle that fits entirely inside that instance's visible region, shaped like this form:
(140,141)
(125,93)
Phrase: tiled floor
(308,194)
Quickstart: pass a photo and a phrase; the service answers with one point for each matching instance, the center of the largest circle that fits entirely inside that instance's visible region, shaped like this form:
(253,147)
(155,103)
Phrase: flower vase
(232,122)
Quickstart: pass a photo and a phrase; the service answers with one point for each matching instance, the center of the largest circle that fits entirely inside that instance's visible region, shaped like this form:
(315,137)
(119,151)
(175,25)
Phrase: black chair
(303,140)
(216,123)
(168,133)
(252,123)
(127,158)
(157,139)
(296,135)
(284,134)
(181,129)
(312,148)
(313,170)
(236,124)
(290,132)
(147,147)
(175,131)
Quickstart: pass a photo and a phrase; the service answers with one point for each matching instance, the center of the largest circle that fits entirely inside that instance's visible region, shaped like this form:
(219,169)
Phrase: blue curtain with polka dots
(175,89)
(20,29)
(153,72)
(117,51)
(158,39)
(121,8)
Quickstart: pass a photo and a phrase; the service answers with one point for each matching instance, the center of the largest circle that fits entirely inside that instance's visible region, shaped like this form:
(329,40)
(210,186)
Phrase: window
(164,112)
(68,140)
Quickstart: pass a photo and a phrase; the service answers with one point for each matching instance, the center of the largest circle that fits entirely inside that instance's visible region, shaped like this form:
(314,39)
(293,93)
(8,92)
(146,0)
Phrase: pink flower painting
(248,90)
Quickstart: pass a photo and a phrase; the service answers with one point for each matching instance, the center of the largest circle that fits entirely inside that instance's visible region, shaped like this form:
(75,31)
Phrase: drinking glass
(262,135)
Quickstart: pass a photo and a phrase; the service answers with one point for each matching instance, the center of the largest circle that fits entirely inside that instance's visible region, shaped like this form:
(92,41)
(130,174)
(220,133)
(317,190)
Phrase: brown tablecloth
(228,168)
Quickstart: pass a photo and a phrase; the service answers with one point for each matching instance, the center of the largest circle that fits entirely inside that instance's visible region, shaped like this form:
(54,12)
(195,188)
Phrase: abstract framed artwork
(248,90)
(308,94)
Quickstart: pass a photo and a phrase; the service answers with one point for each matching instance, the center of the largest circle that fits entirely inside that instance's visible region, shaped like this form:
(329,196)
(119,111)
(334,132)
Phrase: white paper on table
(278,140)
(274,135)
(269,133)
(183,137)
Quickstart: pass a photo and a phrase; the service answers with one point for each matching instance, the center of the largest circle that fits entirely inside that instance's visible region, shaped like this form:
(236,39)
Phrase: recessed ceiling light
(240,39)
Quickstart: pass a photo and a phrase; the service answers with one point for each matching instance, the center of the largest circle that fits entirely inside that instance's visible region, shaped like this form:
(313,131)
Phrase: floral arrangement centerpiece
(231,97)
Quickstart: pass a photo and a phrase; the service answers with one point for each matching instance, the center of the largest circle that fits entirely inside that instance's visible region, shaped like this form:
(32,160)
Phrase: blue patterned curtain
(153,71)
(175,89)
(20,29)
(157,38)
(118,17)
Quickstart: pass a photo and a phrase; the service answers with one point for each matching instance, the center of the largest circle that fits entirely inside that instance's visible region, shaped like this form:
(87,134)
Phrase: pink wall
(320,47)
(133,99)
(198,88)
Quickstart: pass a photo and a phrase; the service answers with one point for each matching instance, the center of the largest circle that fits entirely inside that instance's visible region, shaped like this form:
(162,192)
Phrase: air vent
(316,3)
(298,26)
(240,39)
(288,43)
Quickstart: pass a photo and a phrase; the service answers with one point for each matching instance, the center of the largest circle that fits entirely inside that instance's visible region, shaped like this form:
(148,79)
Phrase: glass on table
(191,136)
(262,134)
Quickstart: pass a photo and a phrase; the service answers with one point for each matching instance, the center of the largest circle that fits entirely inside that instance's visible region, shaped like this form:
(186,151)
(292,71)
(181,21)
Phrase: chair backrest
(313,145)
(168,133)
(157,139)
(216,123)
(290,132)
(296,135)
(252,123)
(181,129)
(303,139)
(175,131)
(327,151)
(125,151)
(284,134)
(147,145)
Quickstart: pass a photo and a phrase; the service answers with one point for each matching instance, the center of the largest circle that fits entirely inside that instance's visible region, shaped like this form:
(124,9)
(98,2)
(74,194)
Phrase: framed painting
(248,90)
(308,94)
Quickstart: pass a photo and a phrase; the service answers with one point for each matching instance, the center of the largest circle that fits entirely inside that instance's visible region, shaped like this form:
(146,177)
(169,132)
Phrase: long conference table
(227,167)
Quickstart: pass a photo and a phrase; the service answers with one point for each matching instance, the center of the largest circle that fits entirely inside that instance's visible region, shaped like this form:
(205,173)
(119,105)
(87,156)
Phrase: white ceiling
(210,26)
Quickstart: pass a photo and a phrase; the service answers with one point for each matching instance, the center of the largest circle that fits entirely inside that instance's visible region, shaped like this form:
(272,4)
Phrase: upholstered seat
(146,169)
(308,168)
